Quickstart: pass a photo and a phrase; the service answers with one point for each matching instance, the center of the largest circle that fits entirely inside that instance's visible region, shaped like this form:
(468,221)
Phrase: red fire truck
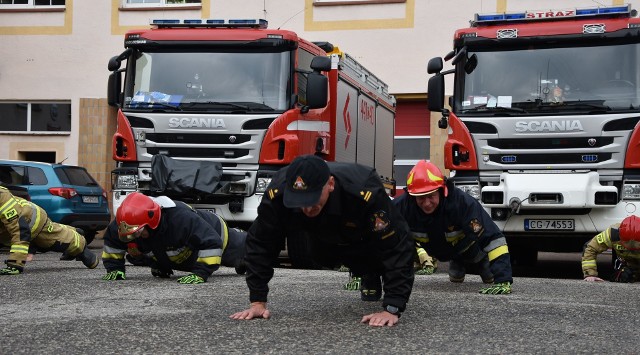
(542,123)
(209,110)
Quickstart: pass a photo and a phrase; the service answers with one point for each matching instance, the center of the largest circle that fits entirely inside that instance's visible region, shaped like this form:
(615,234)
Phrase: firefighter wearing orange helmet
(451,225)
(172,236)
(624,239)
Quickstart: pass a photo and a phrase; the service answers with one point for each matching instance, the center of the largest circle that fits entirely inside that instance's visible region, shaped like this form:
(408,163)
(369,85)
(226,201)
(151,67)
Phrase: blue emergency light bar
(210,23)
(487,19)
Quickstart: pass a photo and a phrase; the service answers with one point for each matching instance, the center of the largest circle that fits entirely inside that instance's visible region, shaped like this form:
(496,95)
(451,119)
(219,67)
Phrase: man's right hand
(163,274)
(10,270)
(593,279)
(257,310)
(114,275)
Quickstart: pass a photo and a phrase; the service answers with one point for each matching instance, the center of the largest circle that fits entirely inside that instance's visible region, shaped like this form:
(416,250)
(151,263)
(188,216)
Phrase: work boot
(485,271)
(457,271)
(89,259)
(241,268)
(371,288)
(136,260)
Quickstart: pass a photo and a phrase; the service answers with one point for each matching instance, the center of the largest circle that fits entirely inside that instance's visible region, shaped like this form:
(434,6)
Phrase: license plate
(90,199)
(549,224)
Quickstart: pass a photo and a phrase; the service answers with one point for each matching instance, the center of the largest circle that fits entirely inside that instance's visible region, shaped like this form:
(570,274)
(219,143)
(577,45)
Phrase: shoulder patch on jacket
(272,193)
(380,221)
(366,195)
(475,225)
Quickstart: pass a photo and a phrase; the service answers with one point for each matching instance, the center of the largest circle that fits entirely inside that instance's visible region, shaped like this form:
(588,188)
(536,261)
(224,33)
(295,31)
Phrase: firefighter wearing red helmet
(170,235)
(624,239)
(451,225)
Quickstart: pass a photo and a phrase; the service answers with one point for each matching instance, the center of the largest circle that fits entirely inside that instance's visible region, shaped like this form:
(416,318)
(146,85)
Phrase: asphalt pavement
(61,307)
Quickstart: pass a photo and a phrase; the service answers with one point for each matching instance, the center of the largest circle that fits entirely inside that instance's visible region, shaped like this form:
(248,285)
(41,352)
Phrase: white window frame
(31,5)
(29,107)
(157,3)
(355,2)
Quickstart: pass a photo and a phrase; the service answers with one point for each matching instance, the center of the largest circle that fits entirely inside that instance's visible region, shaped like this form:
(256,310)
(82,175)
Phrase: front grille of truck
(550,143)
(199,152)
(544,210)
(550,158)
(173,138)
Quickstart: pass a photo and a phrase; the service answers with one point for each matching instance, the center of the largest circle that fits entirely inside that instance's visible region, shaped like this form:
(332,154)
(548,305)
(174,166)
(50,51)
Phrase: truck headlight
(126,182)
(262,183)
(472,190)
(631,190)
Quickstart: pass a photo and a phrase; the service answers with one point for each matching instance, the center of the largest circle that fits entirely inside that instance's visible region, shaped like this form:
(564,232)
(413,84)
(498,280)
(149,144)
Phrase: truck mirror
(113,88)
(114,63)
(462,53)
(449,55)
(317,87)
(471,64)
(321,63)
(434,66)
(436,93)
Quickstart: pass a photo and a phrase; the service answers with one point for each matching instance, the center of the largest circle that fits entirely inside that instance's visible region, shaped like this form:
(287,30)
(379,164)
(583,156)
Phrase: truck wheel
(299,251)
(89,237)
(523,256)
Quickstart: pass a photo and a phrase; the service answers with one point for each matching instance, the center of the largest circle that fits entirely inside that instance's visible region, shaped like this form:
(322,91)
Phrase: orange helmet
(136,212)
(424,179)
(630,230)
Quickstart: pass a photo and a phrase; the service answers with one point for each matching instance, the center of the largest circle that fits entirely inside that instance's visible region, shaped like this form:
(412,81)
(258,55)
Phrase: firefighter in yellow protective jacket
(624,238)
(23,224)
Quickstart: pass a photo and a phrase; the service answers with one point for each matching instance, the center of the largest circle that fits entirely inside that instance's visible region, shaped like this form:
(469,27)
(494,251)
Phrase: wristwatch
(393,310)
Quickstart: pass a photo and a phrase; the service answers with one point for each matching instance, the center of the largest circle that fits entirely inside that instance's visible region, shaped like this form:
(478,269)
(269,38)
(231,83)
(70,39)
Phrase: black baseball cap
(306,176)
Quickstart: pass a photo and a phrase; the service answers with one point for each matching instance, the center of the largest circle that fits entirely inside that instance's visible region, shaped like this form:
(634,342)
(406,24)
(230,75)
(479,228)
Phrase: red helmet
(424,179)
(136,212)
(630,230)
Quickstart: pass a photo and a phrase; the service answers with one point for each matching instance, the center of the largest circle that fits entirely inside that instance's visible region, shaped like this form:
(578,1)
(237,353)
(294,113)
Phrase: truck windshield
(554,80)
(209,81)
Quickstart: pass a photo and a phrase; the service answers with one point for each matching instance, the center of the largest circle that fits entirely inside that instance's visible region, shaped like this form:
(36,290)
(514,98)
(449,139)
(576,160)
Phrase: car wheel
(89,236)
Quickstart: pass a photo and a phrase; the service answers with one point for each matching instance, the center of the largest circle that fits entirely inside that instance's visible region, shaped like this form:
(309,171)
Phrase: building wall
(95,131)
(63,54)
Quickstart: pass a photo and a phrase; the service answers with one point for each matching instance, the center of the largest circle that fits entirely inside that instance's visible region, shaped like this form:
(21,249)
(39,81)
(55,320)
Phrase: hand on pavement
(257,310)
(380,319)
(114,275)
(593,279)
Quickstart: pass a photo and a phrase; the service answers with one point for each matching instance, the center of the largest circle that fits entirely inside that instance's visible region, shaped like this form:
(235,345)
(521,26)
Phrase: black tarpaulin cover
(184,176)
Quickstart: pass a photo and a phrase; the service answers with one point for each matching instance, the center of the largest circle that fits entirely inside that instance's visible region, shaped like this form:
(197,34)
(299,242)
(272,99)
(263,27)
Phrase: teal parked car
(68,193)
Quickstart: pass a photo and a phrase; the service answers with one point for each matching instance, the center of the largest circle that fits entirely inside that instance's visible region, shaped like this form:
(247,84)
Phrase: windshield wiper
(586,104)
(229,104)
(494,109)
(573,105)
(141,104)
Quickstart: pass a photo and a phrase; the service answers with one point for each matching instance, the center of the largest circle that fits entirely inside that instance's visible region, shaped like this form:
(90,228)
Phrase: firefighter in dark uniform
(350,221)
(451,225)
(25,225)
(624,238)
(171,236)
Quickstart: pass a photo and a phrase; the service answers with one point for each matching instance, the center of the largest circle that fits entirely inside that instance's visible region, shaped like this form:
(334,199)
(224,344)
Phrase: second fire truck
(543,122)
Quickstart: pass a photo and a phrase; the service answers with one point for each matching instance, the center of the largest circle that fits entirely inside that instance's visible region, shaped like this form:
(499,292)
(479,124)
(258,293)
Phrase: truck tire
(89,236)
(523,256)
(299,251)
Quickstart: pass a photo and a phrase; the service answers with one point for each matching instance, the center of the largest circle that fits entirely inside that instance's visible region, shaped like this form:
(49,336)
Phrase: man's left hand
(380,319)
(500,288)
(9,270)
(191,279)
